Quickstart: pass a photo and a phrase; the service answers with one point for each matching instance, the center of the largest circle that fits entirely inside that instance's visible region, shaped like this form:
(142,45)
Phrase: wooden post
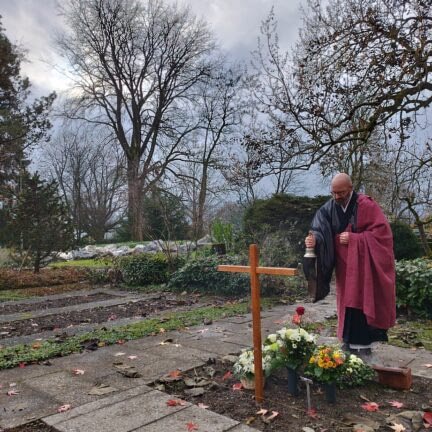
(256,321)
(255,271)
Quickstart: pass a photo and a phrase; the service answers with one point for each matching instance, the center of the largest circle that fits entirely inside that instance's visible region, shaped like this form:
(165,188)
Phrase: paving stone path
(130,404)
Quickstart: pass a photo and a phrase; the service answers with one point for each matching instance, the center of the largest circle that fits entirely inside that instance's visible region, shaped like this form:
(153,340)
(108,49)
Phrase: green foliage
(92,263)
(222,232)
(405,242)
(201,275)
(147,268)
(414,286)
(355,372)
(21,123)
(165,216)
(14,355)
(290,215)
(38,224)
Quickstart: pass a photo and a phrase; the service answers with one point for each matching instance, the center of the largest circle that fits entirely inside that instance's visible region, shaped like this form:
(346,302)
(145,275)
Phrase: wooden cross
(254,270)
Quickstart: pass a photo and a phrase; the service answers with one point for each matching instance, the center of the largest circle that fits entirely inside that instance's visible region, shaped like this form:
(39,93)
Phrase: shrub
(405,243)
(290,215)
(147,268)
(201,275)
(414,286)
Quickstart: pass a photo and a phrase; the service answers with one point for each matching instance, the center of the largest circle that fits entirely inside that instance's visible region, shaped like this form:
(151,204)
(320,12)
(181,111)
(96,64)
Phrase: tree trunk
(135,202)
(201,201)
(37,263)
(423,239)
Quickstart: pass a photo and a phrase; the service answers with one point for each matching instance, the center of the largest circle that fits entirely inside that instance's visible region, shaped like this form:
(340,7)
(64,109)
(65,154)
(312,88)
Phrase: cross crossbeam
(255,270)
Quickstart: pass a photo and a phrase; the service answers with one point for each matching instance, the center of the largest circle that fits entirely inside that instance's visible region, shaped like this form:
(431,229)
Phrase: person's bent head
(341,188)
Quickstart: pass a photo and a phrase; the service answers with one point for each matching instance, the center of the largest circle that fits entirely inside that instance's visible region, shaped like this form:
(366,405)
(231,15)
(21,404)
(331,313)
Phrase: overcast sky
(236,24)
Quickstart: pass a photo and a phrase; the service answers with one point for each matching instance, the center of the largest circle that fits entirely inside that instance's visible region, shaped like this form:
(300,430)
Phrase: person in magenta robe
(352,236)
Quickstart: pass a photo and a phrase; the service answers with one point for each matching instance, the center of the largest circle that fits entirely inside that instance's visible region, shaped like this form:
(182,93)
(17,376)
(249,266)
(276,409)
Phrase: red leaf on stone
(64,408)
(121,341)
(237,386)
(176,402)
(370,406)
(396,404)
(174,374)
(191,426)
(22,365)
(12,392)
(227,375)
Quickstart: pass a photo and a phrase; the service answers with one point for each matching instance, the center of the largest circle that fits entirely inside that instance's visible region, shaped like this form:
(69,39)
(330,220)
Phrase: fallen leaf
(166,342)
(364,398)
(77,371)
(36,345)
(227,375)
(64,408)
(191,426)
(397,427)
(162,330)
(370,406)
(427,417)
(132,357)
(112,317)
(396,404)
(201,405)
(237,386)
(271,417)
(118,354)
(312,413)
(176,402)
(175,374)
(428,365)
(262,411)
(250,420)
(22,365)
(12,392)
(121,342)
(102,389)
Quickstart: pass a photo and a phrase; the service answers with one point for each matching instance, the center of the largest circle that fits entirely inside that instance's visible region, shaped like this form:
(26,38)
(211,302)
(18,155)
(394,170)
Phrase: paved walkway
(130,404)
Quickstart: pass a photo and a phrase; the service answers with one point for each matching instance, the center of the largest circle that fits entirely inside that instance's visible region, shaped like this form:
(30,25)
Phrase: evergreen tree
(38,223)
(21,124)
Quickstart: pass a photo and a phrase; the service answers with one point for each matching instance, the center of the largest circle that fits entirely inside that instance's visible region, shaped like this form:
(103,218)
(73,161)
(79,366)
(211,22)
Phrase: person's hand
(344,238)
(310,241)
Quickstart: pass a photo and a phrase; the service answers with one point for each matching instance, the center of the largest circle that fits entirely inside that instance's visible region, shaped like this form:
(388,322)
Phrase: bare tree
(358,64)
(134,65)
(90,172)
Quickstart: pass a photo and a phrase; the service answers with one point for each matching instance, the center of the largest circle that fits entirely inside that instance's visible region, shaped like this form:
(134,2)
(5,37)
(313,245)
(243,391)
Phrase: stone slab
(214,347)
(27,405)
(96,405)
(123,416)
(64,387)
(205,420)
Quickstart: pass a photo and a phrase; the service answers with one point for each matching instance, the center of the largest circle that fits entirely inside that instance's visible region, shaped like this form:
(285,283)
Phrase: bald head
(341,180)
(341,188)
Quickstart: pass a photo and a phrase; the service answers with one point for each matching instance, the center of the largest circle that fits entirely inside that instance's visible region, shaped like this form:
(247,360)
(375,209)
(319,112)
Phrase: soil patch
(53,303)
(97,315)
(240,405)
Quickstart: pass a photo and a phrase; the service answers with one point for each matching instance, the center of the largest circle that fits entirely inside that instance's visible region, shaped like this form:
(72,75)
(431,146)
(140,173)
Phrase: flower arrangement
(327,364)
(290,347)
(244,367)
(356,372)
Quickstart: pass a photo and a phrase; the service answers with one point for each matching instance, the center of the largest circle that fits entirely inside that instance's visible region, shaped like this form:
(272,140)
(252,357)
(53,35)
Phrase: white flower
(272,338)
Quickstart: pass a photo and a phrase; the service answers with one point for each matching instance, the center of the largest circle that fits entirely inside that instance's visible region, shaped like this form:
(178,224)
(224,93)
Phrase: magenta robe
(365,268)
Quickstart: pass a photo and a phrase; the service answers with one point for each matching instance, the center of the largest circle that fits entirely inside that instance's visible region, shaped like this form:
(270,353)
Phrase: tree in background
(22,123)
(91,175)
(134,65)
(37,224)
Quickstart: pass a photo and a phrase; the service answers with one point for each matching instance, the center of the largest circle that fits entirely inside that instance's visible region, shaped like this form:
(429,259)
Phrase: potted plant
(291,349)
(244,367)
(327,365)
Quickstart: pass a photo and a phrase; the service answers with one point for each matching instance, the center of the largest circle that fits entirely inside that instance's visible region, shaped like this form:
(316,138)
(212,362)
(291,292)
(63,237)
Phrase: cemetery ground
(54,321)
